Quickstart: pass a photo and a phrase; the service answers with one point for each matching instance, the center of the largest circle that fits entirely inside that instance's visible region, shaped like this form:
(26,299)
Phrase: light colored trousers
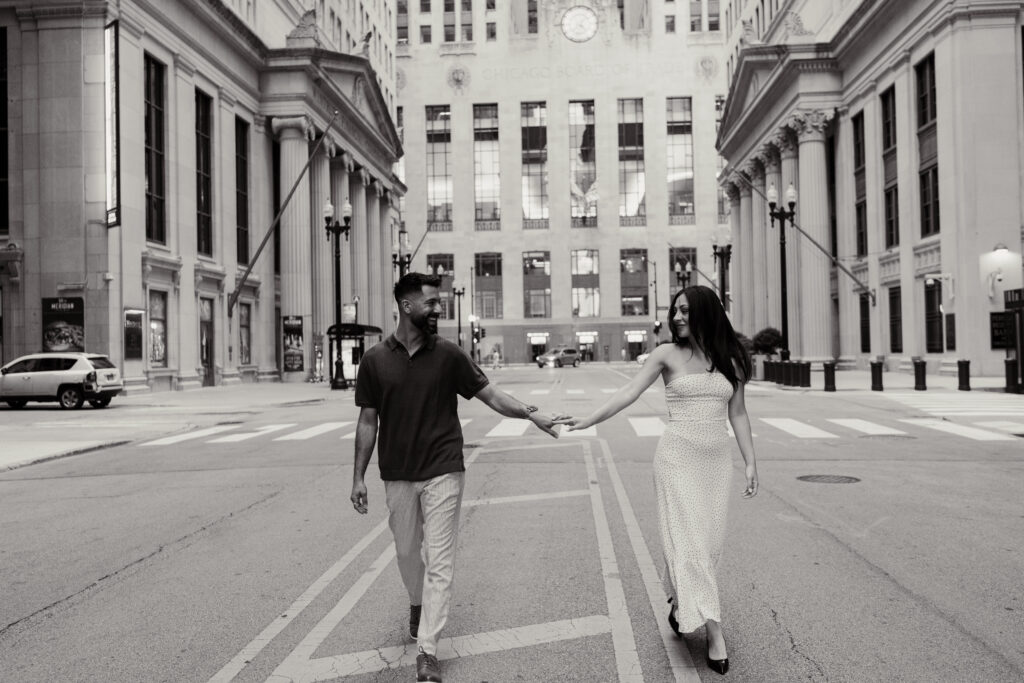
(424,519)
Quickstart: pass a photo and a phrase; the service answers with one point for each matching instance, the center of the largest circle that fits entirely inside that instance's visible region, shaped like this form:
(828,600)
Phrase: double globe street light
(336,230)
(782,216)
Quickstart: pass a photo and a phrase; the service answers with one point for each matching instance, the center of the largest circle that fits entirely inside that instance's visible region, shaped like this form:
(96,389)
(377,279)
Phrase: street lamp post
(458,309)
(336,230)
(654,267)
(782,216)
(683,275)
(722,252)
(401,260)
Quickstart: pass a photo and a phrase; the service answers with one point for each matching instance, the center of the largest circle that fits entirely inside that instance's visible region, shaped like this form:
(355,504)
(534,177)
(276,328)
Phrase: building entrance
(206,342)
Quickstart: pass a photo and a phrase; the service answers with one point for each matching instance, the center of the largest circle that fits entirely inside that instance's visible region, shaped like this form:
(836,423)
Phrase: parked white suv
(69,378)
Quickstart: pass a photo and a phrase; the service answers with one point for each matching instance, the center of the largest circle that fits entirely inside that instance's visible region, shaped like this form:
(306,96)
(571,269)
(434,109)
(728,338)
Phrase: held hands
(547,424)
(751,473)
(358,497)
(573,423)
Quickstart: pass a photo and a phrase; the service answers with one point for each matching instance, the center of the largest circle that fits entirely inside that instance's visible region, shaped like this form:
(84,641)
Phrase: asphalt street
(208,536)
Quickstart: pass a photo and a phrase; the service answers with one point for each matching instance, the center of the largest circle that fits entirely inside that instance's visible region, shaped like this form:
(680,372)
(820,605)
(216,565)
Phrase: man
(410,384)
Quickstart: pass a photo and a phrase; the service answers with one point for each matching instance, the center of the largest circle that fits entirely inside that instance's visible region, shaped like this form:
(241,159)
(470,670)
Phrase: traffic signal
(483,333)
(657,326)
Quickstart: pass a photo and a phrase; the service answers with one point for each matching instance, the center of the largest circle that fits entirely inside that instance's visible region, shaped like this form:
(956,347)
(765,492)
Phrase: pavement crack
(794,647)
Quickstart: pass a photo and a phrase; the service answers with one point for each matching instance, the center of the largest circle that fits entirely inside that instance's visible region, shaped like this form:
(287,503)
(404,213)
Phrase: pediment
(357,82)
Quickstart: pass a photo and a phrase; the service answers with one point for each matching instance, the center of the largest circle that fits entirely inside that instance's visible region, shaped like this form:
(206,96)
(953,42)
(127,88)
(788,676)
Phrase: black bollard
(769,371)
(1011,376)
(919,368)
(787,378)
(805,374)
(876,375)
(830,375)
(963,370)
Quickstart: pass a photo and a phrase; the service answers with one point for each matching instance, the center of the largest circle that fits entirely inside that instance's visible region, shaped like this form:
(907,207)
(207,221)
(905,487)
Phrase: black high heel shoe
(672,620)
(720,666)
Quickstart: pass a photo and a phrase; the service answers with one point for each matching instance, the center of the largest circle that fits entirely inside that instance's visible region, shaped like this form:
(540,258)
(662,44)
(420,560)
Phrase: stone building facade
(899,126)
(150,147)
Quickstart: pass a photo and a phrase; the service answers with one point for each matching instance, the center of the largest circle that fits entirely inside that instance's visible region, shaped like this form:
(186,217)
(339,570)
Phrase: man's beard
(427,324)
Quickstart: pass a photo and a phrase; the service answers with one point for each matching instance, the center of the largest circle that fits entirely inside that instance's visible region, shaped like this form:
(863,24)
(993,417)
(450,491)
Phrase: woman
(704,371)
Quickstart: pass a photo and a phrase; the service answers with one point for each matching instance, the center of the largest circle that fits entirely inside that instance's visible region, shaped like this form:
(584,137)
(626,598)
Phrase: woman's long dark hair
(712,333)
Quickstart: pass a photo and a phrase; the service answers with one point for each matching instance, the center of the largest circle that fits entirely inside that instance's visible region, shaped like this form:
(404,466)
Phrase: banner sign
(294,354)
(64,324)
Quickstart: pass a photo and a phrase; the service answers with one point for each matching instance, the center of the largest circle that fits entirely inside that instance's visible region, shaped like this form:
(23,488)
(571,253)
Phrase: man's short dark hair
(411,283)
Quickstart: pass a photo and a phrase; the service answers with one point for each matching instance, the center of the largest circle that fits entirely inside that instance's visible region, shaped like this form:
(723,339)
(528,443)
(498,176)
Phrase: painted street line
(529,498)
(797,428)
(683,668)
(1012,427)
(245,436)
(867,427)
(647,426)
(960,430)
(575,391)
(540,392)
(510,427)
(312,431)
(168,440)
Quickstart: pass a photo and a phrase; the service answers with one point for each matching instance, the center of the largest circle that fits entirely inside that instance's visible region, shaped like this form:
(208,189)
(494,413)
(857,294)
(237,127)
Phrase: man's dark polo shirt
(416,398)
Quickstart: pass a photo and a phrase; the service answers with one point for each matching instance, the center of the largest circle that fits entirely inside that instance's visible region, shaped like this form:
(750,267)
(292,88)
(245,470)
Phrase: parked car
(559,356)
(69,378)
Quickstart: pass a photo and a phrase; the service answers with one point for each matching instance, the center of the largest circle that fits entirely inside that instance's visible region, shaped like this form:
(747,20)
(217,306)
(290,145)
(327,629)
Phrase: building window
(719,110)
(466,20)
(536,284)
(439,174)
(424,34)
(895,320)
(633,281)
(244,334)
(157,329)
(858,141)
(241,190)
(714,15)
(492,30)
(862,228)
(424,6)
(933,317)
(679,117)
(531,16)
(401,24)
(631,161)
(865,323)
(443,266)
(929,187)
(888,102)
(582,164)
(486,162)
(5,202)
(892,217)
(487,281)
(491,4)
(926,110)
(951,331)
(695,16)
(533,125)
(155,83)
(204,174)
(670,23)
(586,295)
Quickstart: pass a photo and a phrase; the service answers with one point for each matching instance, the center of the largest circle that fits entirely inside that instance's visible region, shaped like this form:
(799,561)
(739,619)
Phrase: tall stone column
(759,229)
(735,274)
(321,273)
(375,248)
(294,134)
(744,298)
(357,182)
(787,145)
(816,306)
(388,272)
(341,165)
(773,177)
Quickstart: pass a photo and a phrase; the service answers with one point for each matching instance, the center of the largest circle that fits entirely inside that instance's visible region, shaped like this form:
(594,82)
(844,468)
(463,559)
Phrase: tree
(768,341)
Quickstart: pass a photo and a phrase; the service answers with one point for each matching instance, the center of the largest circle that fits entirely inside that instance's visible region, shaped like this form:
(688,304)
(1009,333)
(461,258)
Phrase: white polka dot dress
(692,475)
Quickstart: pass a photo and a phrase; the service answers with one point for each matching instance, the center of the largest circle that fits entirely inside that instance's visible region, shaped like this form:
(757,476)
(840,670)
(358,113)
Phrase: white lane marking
(312,431)
(575,391)
(167,440)
(245,436)
(647,426)
(683,668)
(589,431)
(540,392)
(529,498)
(375,661)
(959,430)
(465,421)
(627,659)
(608,391)
(1006,426)
(510,427)
(866,426)
(797,428)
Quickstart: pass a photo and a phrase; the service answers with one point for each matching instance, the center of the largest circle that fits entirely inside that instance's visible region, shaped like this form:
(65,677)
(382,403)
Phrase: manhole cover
(828,479)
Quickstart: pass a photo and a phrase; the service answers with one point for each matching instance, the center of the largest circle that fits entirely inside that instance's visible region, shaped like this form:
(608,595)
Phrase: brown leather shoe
(427,668)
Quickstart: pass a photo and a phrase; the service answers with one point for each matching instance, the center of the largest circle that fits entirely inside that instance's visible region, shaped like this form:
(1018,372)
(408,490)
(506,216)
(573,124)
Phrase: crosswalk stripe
(1006,426)
(540,392)
(647,426)
(245,436)
(574,391)
(509,427)
(178,438)
(465,421)
(312,431)
(959,430)
(797,428)
(866,427)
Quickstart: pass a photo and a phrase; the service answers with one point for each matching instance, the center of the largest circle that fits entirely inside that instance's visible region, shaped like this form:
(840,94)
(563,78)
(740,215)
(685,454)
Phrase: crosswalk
(961,404)
(638,426)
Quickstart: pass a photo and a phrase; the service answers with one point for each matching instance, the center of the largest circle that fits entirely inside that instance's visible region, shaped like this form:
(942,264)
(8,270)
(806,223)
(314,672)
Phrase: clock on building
(579,23)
